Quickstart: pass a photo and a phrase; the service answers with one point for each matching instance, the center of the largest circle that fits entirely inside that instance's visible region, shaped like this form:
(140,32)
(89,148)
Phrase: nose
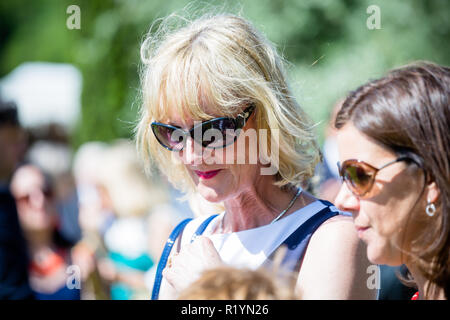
(346,200)
(37,199)
(192,153)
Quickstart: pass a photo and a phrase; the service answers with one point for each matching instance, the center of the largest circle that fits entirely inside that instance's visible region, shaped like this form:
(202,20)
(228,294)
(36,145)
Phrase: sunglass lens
(219,133)
(169,137)
(359,176)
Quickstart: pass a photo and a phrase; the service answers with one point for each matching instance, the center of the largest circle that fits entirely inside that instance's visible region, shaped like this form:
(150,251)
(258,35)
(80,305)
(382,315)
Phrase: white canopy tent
(44,92)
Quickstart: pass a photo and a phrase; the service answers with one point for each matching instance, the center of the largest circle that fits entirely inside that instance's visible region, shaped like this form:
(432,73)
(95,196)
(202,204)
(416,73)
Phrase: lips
(207,174)
(361,230)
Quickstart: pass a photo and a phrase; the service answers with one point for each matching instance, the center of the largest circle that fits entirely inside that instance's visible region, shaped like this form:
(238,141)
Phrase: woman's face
(386,218)
(34,203)
(219,173)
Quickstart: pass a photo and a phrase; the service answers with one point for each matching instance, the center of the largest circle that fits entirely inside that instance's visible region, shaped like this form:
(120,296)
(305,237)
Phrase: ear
(432,192)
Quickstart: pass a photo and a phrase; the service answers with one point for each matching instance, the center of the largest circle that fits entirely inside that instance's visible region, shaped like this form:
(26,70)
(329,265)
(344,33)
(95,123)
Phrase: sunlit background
(77,94)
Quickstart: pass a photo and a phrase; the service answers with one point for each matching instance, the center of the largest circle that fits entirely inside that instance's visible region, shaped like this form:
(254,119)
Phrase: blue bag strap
(165,255)
(168,248)
(202,227)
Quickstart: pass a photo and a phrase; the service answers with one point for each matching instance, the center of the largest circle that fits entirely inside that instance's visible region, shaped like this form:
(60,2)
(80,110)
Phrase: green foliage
(327,42)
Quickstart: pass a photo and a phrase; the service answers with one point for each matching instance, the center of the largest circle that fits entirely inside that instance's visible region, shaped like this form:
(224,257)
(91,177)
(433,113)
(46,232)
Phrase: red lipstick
(207,174)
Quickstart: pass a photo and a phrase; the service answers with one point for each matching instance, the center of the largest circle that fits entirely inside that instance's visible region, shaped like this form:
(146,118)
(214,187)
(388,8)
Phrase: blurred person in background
(131,197)
(95,217)
(51,151)
(13,252)
(103,173)
(34,194)
(397,171)
(329,182)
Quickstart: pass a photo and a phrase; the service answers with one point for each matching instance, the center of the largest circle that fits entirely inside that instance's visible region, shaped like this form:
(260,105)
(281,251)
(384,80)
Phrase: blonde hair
(229,283)
(222,62)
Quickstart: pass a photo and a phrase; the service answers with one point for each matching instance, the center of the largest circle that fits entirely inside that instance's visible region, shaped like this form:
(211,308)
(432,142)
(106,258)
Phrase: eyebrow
(170,123)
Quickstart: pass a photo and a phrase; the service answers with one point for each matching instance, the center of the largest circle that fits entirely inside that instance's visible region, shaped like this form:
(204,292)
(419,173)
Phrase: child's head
(229,283)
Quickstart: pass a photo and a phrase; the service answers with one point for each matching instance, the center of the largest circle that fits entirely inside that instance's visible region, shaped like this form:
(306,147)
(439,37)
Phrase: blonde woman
(209,87)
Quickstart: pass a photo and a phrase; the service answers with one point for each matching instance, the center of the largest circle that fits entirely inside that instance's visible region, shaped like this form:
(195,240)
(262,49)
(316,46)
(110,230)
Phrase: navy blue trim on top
(298,241)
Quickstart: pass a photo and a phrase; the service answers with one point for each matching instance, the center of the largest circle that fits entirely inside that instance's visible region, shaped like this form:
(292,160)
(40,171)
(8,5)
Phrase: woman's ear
(432,192)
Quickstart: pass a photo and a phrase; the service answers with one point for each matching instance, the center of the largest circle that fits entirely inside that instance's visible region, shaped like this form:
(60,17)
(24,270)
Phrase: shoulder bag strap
(168,248)
(202,227)
(165,255)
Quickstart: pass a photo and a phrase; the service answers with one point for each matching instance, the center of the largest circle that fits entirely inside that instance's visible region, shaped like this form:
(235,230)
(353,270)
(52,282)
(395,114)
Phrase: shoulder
(335,262)
(336,238)
(339,227)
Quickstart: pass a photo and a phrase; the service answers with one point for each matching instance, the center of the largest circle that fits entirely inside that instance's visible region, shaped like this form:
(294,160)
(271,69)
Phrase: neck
(37,240)
(4,178)
(256,206)
(6,172)
(423,284)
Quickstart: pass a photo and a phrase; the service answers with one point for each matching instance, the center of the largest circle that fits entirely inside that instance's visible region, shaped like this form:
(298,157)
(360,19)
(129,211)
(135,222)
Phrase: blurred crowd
(83,225)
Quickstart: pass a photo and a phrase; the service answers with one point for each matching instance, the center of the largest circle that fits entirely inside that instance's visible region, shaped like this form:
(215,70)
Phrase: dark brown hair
(408,112)
(8,114)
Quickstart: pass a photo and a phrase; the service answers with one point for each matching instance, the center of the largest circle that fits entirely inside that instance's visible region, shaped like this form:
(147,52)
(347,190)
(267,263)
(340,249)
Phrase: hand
(107,269)
(185,267)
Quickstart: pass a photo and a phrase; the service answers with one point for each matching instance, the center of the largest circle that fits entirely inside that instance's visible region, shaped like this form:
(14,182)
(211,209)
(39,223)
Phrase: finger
(171,275)
(205,243)
(176,278)
(209,248)
(168,276)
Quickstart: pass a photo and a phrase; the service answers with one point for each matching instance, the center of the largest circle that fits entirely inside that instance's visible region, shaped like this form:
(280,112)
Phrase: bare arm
(335,264)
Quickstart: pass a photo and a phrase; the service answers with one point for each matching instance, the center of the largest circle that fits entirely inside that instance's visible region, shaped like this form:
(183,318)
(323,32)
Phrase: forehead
(187,117)
(185,114)
(353,144)
(184,89)
(10,131)
(27,179)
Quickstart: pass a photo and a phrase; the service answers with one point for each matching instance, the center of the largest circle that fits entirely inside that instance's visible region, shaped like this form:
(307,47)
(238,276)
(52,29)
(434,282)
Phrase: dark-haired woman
(397,172)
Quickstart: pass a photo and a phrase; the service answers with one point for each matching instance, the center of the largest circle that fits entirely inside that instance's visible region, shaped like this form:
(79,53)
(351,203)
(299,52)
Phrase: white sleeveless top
(251,248)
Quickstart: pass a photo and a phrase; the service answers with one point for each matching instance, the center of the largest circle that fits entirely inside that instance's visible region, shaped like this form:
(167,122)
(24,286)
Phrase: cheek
(381,217)
(241,176)
(382,235)
(396,214)
(389,224)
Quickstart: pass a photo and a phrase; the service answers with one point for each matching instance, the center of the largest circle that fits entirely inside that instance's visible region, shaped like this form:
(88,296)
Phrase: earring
(430,209)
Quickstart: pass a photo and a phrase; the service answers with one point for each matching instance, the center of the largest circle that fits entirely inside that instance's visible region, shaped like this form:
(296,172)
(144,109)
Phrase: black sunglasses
(215,133)
(360,176)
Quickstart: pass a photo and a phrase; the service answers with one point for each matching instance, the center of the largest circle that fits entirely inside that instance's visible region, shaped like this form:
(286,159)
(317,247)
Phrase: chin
(209,193)
(380,256)
(374,258)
